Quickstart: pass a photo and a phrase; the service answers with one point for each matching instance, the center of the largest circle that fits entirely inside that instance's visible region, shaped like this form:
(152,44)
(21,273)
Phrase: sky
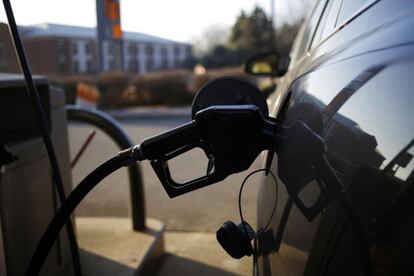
(180,20)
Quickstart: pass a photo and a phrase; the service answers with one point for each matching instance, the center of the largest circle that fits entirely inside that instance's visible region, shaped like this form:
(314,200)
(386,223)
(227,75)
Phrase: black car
(350,79)
(338,144)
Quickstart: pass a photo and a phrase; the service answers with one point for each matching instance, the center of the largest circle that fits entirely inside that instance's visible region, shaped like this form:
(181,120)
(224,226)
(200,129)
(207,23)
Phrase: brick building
(8,58)
(64,50)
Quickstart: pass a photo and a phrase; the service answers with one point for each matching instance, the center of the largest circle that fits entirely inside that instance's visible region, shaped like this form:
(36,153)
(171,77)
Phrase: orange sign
(87,94)
(112,10)
(116,31)
(113,18)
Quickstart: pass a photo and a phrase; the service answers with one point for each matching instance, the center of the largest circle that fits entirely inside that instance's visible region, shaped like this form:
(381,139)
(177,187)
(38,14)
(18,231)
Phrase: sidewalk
(153,112)
(109,247)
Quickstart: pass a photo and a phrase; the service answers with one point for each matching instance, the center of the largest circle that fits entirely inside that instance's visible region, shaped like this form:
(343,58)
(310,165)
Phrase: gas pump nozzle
(230,136)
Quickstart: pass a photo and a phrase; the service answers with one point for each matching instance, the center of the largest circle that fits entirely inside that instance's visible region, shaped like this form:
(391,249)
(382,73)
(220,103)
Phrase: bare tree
(210,38)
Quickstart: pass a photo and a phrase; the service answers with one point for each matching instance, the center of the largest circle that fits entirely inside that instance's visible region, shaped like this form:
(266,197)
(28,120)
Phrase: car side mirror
(266,64)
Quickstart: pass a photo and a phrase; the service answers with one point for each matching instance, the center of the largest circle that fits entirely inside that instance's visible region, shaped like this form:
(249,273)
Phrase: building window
(132,49)
(89,66)
(150,65)
(75,66)
(62,67)
(188,51)
(164,64)
(111,64)
(74,48)
(133,65)
(138,69)
(177,51)
(87,48)
(149,50)
(164,52)
(185,51)
(140,49)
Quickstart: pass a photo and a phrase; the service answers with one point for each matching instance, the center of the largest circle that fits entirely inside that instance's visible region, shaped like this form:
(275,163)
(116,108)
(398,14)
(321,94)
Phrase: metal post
(111,127)
(100,33)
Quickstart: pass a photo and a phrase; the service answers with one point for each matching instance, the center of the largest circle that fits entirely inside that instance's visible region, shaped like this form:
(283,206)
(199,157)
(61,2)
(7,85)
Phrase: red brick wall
(8,58)
(42,54)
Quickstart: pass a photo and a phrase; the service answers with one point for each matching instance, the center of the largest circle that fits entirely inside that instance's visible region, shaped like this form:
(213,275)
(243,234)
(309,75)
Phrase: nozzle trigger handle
(161,148)
(166,143)
(230,136)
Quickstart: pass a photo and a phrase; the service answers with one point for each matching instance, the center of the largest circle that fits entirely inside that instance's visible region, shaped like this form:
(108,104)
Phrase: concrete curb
(150,113)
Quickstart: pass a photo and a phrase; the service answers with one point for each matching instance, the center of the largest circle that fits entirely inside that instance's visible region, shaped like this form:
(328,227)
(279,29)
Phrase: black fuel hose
(65,211)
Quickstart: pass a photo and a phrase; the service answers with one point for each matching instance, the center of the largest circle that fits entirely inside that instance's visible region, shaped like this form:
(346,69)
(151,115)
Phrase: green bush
(112,85)
(160,88)
(170,88)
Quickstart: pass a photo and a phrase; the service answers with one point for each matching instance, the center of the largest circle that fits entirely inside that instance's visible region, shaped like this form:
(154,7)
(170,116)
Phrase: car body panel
(354,89)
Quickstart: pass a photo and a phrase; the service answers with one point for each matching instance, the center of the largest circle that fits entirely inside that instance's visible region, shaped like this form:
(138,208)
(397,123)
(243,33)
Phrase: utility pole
(272,18)
(272,11)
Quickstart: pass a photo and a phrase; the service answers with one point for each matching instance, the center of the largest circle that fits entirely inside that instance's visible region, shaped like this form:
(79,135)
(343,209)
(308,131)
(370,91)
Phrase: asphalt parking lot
(203,210)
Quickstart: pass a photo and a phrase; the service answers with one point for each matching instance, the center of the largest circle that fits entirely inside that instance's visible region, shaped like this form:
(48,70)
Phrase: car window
(378,122)
(309,28)
(327,22)
(349,7)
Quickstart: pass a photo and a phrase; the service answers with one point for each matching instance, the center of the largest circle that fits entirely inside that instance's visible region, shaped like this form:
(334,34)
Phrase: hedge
(119,89)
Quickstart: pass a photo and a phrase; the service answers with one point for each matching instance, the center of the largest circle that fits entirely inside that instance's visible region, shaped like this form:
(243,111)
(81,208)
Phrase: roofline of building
(82,32)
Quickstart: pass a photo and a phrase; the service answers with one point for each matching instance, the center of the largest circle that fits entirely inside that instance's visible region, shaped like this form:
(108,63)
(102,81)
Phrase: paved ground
(110,248)
(209,260)
(203,210)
